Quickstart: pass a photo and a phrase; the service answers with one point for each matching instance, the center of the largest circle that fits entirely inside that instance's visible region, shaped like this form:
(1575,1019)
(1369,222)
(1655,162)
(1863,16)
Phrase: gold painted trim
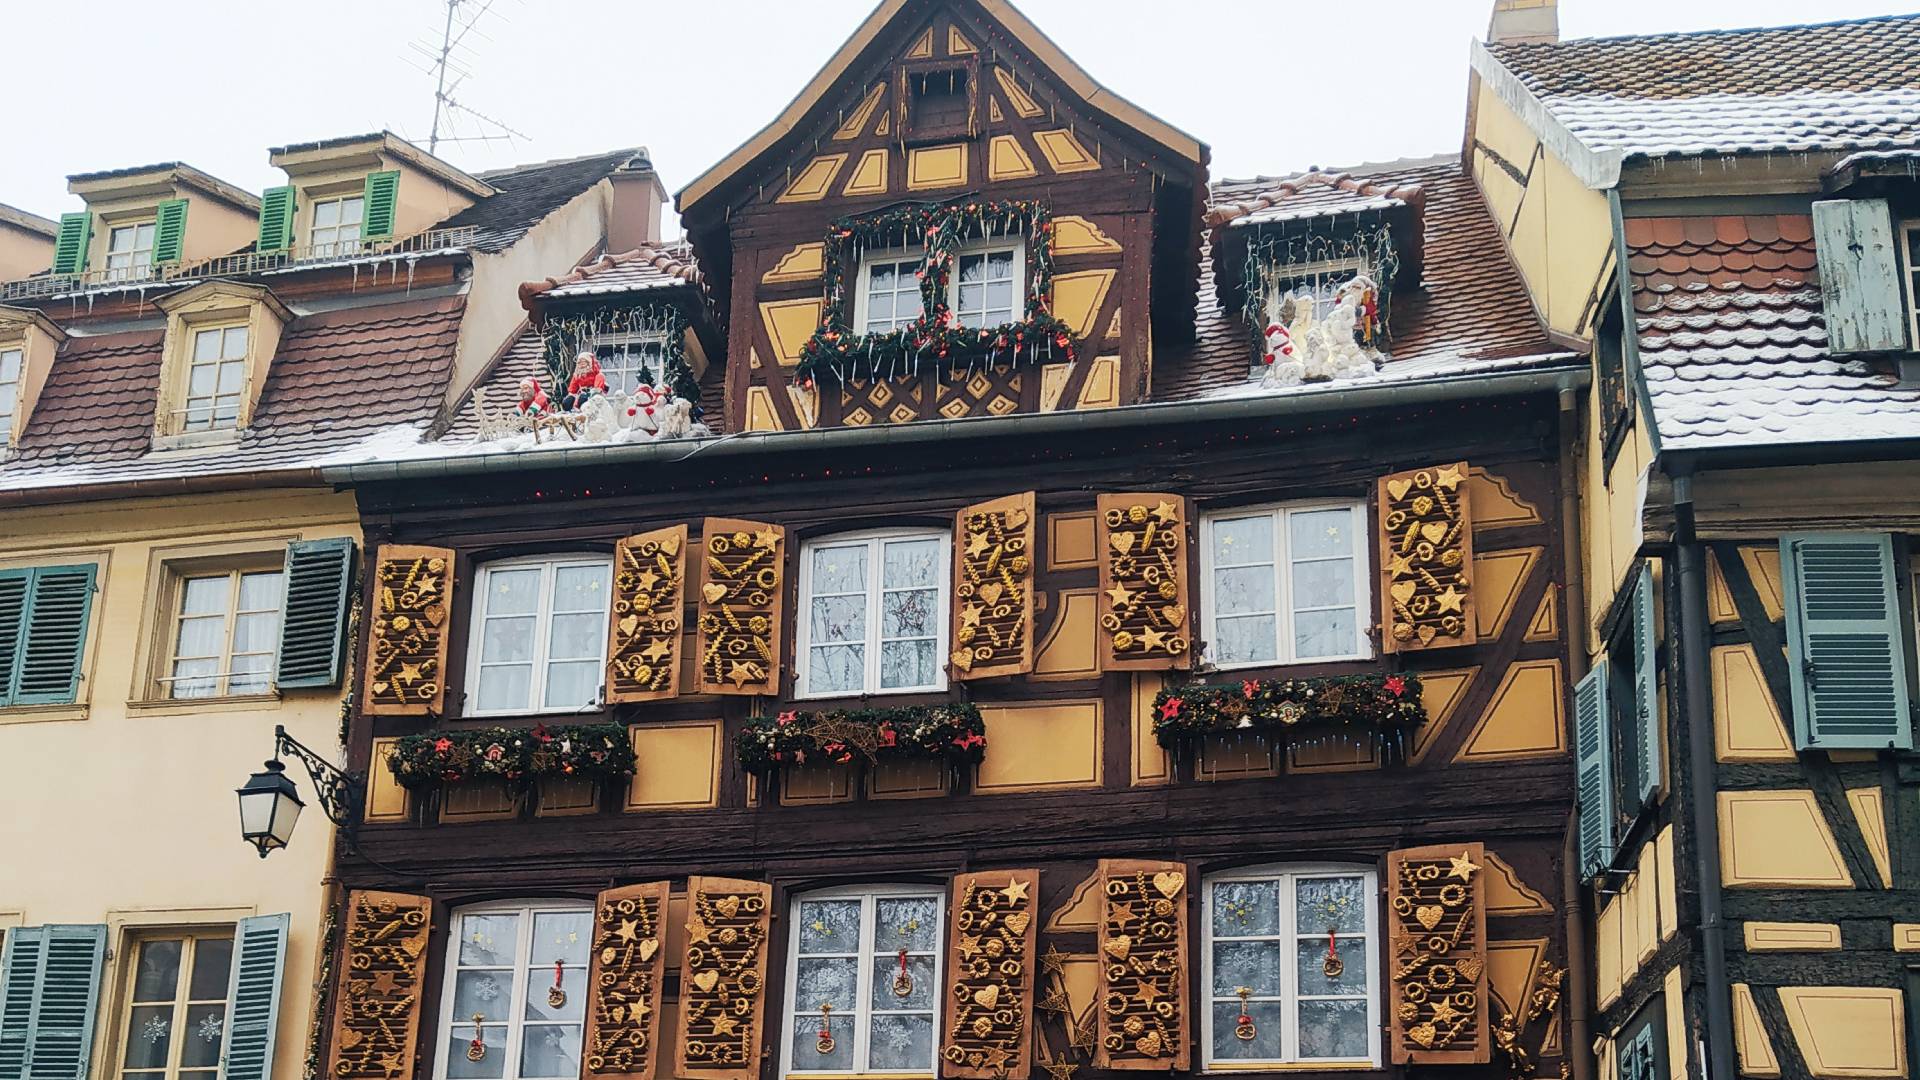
(957,43)
(1008,160)
(942,166)
(1509,680)
(1791,936)
(806,262)
(1906,937)
(1064,151)
(813,182)
(1533,901)
(1054,544)
(922,47)
(869,174)
(1487,491)
(1021,101)
(1750,1041)
(1098,709)
(1075,235)
(1438,716)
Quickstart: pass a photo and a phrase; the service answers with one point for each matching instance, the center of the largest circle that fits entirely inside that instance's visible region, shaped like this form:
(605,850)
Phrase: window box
(1382,708)
(952,734)
(519,758)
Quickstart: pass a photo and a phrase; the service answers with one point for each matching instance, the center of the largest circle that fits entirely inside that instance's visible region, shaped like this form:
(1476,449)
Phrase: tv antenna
(448,68)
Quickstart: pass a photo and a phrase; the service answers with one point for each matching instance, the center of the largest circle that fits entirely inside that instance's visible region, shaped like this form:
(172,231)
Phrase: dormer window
(216,379)
(986,288)
(221,338)
(1910,267)
(629,361)
(336,226)
(12,360)
(130,251)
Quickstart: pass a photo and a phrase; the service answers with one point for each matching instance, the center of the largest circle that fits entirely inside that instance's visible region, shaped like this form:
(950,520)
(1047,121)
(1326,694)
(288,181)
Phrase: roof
(1827,86)
(1266,199)
(1471,306)
(663,266)
(528,193)
(1733,341)
(178,172)
(29,222)
(378,142)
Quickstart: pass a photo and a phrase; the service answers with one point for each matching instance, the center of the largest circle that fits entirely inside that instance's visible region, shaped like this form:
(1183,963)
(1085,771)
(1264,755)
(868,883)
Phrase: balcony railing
(241,264)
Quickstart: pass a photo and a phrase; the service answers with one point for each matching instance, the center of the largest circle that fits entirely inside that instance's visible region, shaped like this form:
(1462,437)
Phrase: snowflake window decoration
(155,1029)
(210,1028)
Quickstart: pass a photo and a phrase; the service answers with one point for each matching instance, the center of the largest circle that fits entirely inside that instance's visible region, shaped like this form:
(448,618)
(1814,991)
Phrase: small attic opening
(939,102)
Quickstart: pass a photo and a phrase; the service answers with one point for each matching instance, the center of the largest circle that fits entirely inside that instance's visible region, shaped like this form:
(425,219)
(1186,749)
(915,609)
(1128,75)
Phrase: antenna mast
(444,63)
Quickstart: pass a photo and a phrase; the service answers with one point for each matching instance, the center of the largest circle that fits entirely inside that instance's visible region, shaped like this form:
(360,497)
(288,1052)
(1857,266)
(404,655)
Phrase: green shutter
(1646,688)
(1593,770)
(1846,646)
(52,987)
(19,997)
(276,219)
(14,586)
(313,614)
(383,195)
(169,231)
(253,997)
(47,668)
(70,248)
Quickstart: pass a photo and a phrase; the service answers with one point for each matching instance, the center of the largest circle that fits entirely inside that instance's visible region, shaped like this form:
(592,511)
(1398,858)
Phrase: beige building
(26,243)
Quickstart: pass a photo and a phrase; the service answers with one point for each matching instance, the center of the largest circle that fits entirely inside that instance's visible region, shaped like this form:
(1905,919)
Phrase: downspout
(1573,608)
(1702,792)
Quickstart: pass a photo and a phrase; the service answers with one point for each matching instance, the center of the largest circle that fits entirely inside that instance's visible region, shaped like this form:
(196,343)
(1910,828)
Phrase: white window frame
(191,939)
(335,247)
(917,257)
(863,985)
(1283,581)
(10,389)
(1288,874)
(184,415)
(875,540)
(522,983)
(543,631)
(139,266)
(1909,234)
(1017,245)
(230,619)
(625,341)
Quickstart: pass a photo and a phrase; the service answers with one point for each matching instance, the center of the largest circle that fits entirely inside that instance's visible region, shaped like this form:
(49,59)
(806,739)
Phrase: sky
(1273,86)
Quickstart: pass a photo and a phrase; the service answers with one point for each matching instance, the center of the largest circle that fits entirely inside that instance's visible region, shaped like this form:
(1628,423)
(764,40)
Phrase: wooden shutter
(14,587)
(993,588)
(1426,559)
(383,965)
(1646,688)
(742,591)
(407,642)
(1143,966)
(1143,581)
(725,965)
(169,231)
(313,619)
(382,200)
(276,219)
(990,968)
(1859,276)
(49,989)
(643,628)
(1437,955)
(54,636)
(70,245)
(253,997)
(627,971)
(1846,643)
(20,962)
(1593,769)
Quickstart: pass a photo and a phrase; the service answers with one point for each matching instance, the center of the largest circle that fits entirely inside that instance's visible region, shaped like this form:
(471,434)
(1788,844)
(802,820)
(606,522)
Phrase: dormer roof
(370,150)
(159,180)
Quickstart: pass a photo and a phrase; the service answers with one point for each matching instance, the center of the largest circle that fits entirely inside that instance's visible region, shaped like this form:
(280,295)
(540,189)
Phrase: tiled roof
(1470,306)
(645,267)
(1315,194)
(1819,87)
(529,193)
(1734,344)
(339,376)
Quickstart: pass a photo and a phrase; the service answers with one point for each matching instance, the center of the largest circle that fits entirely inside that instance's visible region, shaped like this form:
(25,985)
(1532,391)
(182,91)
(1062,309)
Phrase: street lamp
(270,803)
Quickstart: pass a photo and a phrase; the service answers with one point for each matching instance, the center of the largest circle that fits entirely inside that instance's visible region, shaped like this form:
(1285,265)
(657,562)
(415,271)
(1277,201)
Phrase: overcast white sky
(1272,85)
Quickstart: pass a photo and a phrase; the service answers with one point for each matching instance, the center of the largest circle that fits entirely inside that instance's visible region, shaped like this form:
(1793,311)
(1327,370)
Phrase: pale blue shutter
(59,601)
(61,1039)
(1859,276)
(19,997)
(1846,645)
(313,614)
(1593,770)
(14,585)
(253,997)
(1646,688)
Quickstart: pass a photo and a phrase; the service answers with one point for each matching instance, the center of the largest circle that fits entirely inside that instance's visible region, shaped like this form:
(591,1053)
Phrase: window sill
(43,714)
(1314,661)
(196,440)
(1289,1066)
(855,698)
(234,703)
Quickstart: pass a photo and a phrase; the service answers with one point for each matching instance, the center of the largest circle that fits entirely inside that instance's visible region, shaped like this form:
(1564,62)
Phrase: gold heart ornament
(728,906)
(706,980)
(1122,541)
(1428,915)
(648,946)
(1118,946)
(1017,922)
(1399,488)
(713,591)
(987,996)
(1170,882)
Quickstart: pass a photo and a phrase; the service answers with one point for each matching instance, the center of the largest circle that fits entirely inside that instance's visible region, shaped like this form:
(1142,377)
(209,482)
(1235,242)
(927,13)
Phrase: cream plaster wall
(23,253)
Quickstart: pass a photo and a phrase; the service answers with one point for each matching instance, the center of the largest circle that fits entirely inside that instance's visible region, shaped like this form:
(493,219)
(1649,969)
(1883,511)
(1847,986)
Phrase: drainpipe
(1702,791)
(1573,615)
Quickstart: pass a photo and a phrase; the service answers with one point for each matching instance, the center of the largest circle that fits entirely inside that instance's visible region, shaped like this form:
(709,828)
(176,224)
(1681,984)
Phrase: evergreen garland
(1374,705)
(520,756)
(568,335)
(952,733)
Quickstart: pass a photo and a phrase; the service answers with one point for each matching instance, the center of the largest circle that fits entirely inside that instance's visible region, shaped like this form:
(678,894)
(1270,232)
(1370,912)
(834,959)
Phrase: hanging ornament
(1332,966)
(1243,1028)
(902,981)
(824,1044)
(477,1049)
(557,993)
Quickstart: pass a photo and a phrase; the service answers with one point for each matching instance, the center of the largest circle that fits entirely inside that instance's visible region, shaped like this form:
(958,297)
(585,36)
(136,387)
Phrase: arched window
(515,995)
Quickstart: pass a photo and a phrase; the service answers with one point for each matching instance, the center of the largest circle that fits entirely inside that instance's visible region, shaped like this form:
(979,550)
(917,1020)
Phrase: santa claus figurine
(533,400)
(586,382)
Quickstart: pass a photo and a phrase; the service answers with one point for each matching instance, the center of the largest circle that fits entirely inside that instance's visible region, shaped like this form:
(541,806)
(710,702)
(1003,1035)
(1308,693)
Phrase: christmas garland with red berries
(520,756)
(836,350)
(1363,704)
(952,733)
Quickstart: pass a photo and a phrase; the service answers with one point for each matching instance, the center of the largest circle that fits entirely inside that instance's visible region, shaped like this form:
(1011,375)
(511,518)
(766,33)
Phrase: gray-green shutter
(47,667)
(169,231)
(14,586)
(1593,771)
(253,997)
(19,997)
(1846,644)
(313,613)
(1646,688)
(276,219)
(51,982)
(1859,276)
(70,246)
(382,202)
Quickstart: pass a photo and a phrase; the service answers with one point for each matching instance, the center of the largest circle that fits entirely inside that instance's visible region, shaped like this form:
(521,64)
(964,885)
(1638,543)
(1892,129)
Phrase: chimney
(638,198)
(1524,22)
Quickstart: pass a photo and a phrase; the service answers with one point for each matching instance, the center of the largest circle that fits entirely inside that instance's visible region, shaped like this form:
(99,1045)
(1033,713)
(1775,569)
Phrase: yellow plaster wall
(1780,839)
(1043,745)
(1750,1041)
(1848,1031)
(1524,719)
(146,833)
(677,766)
(23,253)
(1746,722)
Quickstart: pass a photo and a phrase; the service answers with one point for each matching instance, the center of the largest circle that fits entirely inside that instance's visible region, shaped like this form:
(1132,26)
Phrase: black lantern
(269,806)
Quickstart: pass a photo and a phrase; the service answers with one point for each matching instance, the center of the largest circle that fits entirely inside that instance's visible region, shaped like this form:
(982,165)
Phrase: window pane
(211,960)
(905,664)
(886,972)
(251,674)
(821,978)
(120,240)
(326,213)
(200,1046)
(999,265)
(505,688)
(880,277)
(488,940)
(1324,633)
(1240,590)
(1242,640)
(908,614)
(806,1040)
(260,592)
(485,992)
(1246,908)
(1000,296)
(158,977)
(351,211)
(573,684)
(1333,1029)
(204,595)
(149,1036)
(196,678)
(839,618)
(1320,533)
(202,635)
(1240,541)
(839,569)
(829,926)
(550,1052)
(575,636)
(911,923)
(513,592)
(834,668)
(256,633)
(489,1067)
(561,935)
(234,347)
(1265,1044)
(143,236)
(232,378)
(1246,963)
(202,380)
(1312,971)
(574,982)
(1325,583)
(911,562)
(507,639)
(901,1043)
(580,588)
(1331,903)
(9,365)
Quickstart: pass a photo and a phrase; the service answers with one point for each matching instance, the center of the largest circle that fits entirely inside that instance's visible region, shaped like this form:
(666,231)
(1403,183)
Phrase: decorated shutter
(1437,955)
(990,964)
(382,198)
(14,587)
(1859,275)
(19,997)
(383,965)
(1646,688)
(47,661)
(643,631)
(1593,768)
(1143,581)
(407,643)
(276,219)
(313,615)
(1846,642)
(993,588)
(725,962)
(1143,966)
(70,246)
(49,989)
(628,969)
(253,997)
(169,231)
(742,592)
(1426,559)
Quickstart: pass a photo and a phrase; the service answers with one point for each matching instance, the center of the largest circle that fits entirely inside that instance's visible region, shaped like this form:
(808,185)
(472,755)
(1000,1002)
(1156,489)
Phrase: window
(10,363)
(542,635)
(336,225)
(1609,358)
(889,296)
(517,974)
(177,1006)
(1642,1044)
(216,378)
(1910,264)
(1293,949)
(873,955)
(630,361)
(986,287)
(876,614)
(940,101)
(225,632)
(1304,297)
(130,252)
(1286,584)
